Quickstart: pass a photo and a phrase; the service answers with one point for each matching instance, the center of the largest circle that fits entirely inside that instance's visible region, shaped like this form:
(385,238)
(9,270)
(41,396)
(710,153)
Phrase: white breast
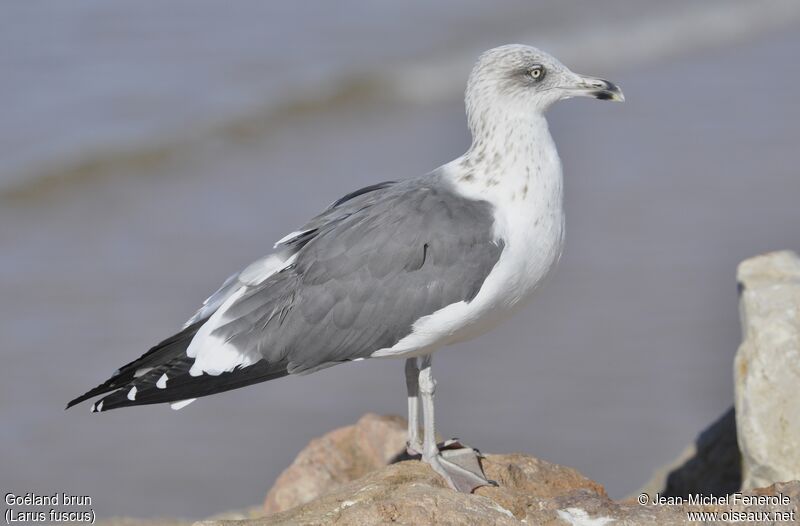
(527,193)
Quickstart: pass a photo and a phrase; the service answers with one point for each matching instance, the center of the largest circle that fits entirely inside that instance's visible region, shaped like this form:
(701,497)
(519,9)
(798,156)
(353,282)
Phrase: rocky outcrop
(410,492)
(767,369)
(758,442)
(336,458)
(529,491)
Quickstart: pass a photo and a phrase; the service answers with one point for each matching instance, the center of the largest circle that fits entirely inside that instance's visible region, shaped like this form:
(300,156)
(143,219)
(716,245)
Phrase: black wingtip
(157,355)
(78,401)
(100,389)
(73,402)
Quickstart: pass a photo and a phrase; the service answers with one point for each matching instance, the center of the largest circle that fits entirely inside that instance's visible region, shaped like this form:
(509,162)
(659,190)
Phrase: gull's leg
(458,465)
(414,444)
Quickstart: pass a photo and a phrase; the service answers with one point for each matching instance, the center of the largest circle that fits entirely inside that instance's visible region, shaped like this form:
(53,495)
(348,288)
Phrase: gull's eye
(536,72)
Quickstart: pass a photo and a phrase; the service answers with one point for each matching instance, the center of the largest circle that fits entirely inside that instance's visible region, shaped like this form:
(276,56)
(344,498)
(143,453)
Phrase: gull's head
(522,79)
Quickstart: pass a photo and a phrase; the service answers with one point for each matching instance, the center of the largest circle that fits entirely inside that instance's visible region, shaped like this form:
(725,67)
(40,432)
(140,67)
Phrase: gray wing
(352,281)
(363,272)
(254,273)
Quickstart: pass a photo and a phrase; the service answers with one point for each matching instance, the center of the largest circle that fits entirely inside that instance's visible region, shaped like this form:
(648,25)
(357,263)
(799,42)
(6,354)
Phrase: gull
(393,270)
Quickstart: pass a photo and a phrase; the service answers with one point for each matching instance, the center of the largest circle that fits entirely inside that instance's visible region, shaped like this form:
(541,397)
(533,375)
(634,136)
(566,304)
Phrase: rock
(337,458)
(712,464)
(409,492)
(767,369)
(530,491)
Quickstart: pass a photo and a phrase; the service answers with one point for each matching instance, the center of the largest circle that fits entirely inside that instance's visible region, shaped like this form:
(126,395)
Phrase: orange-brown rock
(343,478)
(409,492)
(531,491)
(336,458)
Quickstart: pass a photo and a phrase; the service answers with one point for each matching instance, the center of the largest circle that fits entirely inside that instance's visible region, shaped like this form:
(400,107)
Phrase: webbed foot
(459,465)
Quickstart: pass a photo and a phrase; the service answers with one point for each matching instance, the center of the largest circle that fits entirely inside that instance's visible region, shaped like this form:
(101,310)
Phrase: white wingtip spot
(98,408)
(93,408)
(162,382)
(132,393)
(181,403)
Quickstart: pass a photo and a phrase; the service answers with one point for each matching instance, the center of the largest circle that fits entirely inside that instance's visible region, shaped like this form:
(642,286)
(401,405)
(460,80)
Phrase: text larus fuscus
(395,270)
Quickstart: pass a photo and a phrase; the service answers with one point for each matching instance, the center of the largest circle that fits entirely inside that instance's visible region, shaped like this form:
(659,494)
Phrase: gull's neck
(513,164)
(512,160)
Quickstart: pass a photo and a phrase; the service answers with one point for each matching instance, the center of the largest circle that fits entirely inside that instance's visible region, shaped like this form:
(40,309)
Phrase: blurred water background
(149,149)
